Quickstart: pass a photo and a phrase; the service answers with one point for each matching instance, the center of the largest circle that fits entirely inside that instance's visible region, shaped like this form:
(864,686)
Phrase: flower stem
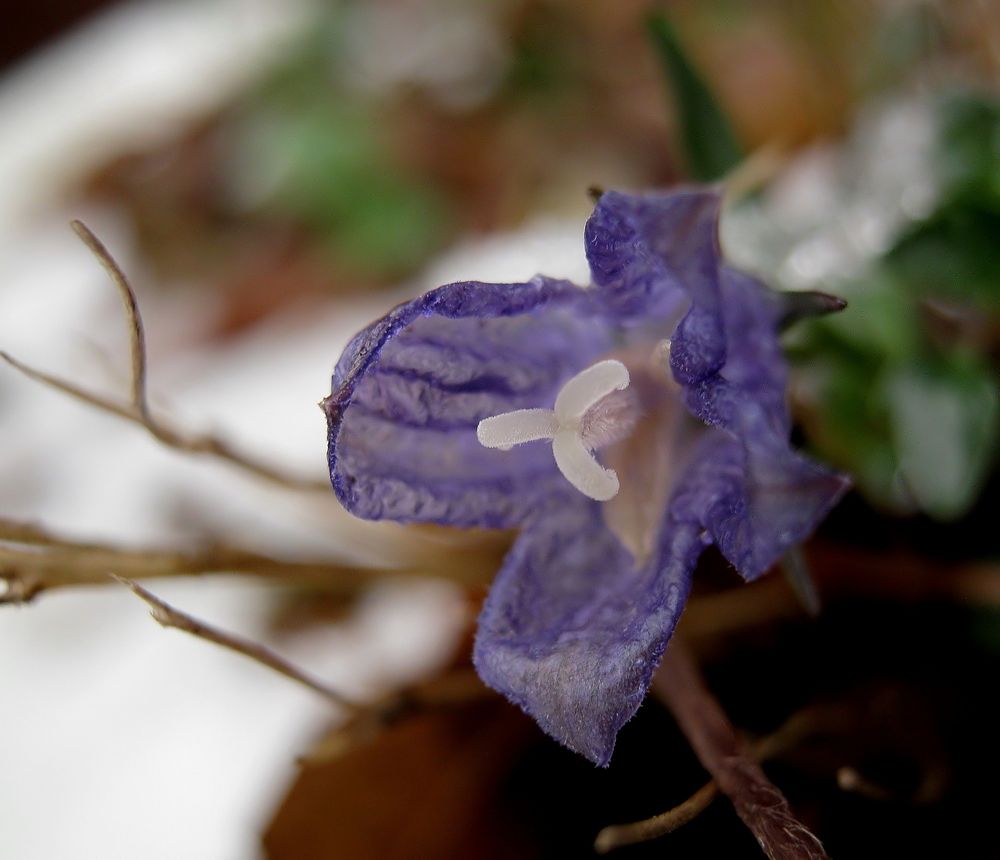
(758,802)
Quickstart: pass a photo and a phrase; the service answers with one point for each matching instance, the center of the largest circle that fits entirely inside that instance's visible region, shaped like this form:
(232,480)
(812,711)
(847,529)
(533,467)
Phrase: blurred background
(274,176)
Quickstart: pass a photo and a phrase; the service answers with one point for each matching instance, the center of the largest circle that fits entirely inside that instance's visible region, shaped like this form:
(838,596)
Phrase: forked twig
(164,614)
(137,333)
(367,720)
(803,724)
(137,409)
(758,802)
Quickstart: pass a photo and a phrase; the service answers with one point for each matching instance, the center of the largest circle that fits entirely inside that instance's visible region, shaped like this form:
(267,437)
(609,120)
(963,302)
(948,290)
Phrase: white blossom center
(589,413)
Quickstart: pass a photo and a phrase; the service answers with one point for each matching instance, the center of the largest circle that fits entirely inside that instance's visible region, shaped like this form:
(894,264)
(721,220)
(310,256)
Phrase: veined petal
(650,253)
(572,629)
(754,507)
(410,390)
(754,495)
(758,497)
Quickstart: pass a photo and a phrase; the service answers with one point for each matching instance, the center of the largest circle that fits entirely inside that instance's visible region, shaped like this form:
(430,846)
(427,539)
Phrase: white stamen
(589,386)
(565,426)
(512,428)
(581,469)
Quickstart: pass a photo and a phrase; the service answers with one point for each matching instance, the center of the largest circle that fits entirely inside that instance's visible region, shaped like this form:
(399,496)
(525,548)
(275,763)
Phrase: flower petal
(649,253)
(754,507)
(572,629)
(410,390)
(759,496)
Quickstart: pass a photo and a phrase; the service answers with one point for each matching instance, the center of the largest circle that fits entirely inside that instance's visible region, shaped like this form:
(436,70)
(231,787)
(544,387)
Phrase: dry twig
(137,409)
(793,731)
(621,835)
(33,560)
(28,571)
(163,613)
(758,802)
(367,720)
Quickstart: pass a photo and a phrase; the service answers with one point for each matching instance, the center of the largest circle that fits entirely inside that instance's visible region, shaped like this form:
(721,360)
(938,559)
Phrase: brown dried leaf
(426,787)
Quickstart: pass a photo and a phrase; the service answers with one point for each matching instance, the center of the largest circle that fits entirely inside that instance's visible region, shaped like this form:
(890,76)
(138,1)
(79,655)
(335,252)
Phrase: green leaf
(709,145)
(849,427)
(968,151)
(953,255)
(880,320)
(332,173)
(944,425)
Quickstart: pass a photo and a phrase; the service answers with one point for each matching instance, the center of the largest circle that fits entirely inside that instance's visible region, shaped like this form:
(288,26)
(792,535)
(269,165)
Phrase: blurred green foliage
(909,410)
(954,254)
(905,388)
(330,166)
(706,138)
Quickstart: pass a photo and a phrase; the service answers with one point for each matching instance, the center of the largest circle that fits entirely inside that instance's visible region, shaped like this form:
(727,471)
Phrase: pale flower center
(592,410)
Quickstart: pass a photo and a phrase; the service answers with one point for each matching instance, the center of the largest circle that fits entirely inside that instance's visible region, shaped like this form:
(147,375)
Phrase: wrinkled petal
(749,386)
(760,497)
(410,390)
(573,630)
(754,509)
(652,254)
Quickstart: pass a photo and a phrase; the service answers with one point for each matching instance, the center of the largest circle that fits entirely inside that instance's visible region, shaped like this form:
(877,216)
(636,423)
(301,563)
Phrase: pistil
(592,410)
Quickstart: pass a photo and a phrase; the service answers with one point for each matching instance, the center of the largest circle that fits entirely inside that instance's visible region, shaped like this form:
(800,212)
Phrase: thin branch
(74,391)
(758,802)
(792,732)
(620,835)
(137,410)
(366,721)
(137,333)
(33,534)
(33,560)
(201,445)
(166,615)
(29,571)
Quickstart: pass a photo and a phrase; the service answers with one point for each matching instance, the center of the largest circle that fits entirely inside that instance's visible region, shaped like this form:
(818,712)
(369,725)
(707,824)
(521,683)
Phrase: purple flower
(662,390)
